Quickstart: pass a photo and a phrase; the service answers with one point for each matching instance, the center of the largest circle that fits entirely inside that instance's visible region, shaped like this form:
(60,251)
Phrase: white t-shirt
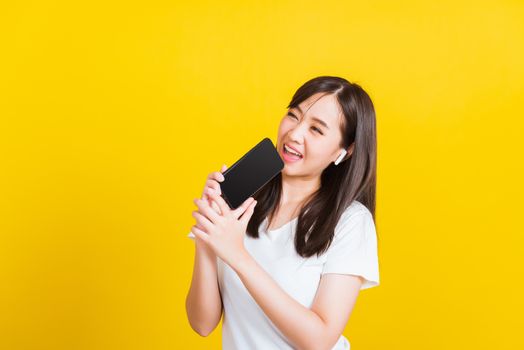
(352,251)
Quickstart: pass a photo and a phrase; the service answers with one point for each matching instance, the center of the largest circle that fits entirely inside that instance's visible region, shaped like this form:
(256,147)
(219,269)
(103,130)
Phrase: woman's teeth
(288,150)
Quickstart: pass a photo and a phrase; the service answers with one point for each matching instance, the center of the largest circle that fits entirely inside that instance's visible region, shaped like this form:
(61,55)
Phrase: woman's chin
(289,170)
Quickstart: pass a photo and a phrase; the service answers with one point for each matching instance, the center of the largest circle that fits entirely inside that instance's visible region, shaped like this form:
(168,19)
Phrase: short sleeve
(353,250)
(191,235)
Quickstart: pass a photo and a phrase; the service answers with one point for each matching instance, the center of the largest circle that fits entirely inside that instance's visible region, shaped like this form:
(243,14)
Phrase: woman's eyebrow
(314,118)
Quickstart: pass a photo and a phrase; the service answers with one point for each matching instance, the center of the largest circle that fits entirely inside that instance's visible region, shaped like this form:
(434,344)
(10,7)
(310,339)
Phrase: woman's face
(303,129)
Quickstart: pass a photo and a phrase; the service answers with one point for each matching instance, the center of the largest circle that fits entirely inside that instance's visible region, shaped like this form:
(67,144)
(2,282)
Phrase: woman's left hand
(223,233)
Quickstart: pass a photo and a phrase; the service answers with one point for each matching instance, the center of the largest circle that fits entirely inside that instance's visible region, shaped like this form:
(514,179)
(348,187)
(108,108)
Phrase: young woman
(286,267)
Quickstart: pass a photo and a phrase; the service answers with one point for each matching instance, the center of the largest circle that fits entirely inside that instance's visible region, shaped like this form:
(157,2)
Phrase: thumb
(248,213)
(243,207)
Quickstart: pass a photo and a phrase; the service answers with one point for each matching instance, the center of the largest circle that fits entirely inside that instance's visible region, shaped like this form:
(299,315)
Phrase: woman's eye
(314,128)
(318,130)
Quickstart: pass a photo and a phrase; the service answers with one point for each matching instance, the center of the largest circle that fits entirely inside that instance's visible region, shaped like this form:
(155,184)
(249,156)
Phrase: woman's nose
(297,133)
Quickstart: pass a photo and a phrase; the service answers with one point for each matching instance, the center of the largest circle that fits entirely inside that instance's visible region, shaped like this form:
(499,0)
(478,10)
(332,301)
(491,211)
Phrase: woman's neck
(296,189)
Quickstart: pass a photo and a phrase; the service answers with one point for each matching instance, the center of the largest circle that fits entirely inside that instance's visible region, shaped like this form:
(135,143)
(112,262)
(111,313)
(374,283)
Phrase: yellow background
(113,113)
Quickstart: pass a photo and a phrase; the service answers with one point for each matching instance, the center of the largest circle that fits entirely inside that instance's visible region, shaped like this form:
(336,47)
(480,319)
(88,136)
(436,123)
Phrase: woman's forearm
(303,327)
(203,302)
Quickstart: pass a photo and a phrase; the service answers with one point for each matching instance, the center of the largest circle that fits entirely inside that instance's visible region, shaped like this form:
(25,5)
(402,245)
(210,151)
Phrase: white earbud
(341,156)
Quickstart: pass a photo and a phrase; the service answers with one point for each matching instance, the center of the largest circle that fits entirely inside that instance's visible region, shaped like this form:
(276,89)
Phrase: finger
(240,210)
(224,208)
(205,209)
(216,175)
(211,185)
(202,220)
(210,201)
(224,168)
(200,234)
(248,213)
(214,185)
(199,226)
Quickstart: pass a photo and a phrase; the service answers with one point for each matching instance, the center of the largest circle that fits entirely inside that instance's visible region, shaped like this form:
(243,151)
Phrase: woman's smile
(289,155)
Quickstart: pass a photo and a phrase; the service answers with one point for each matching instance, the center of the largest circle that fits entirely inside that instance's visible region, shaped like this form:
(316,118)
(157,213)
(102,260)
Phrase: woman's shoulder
(355,208)
(355,213)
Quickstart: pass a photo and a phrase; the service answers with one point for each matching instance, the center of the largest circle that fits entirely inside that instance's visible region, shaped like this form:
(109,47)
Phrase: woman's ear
(350,150)
(345,154)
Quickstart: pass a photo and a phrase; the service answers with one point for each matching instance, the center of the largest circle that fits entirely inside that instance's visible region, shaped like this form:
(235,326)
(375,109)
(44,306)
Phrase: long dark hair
(352,179)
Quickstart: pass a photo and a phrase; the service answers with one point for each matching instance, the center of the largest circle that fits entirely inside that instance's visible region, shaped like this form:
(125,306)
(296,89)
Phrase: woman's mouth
(290,155)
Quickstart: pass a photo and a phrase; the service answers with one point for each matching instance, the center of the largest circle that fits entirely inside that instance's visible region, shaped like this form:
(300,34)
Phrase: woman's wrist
(241,261)
(204,249)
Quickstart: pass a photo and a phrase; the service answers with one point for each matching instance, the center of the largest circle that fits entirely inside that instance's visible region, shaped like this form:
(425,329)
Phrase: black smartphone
(250,173)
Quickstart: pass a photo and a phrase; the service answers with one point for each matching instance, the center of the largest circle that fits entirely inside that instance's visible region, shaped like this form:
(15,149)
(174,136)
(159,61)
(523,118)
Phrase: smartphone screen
(250,173)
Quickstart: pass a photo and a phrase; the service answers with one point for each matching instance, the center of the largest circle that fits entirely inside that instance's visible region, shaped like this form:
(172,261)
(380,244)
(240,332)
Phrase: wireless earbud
(341,156)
